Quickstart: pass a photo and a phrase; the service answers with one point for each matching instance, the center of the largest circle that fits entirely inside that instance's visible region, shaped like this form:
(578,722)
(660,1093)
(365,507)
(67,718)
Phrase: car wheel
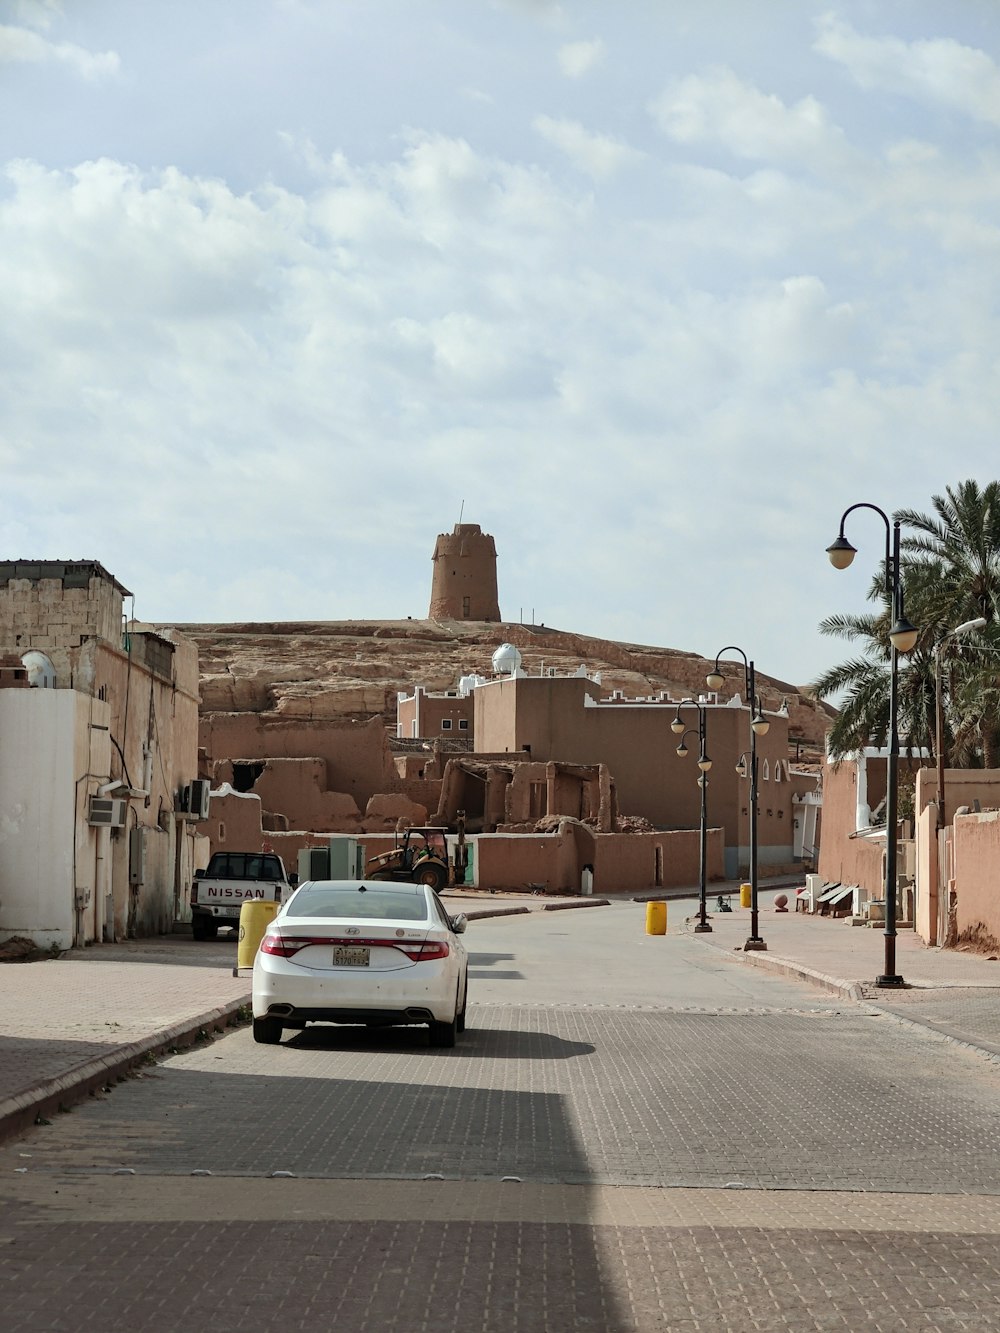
(460,1016)
(267,1031)
(204,927)
(444,1034)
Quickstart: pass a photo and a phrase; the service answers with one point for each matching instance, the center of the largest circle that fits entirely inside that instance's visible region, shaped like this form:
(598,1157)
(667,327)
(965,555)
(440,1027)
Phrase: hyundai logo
(353,930)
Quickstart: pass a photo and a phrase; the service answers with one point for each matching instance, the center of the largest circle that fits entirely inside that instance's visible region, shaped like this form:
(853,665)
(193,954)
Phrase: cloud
(719,107)
(579,58)
(598,155)
(21,45)
(940,70)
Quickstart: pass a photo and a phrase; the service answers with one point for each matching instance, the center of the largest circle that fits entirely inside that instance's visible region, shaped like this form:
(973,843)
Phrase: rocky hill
(315,670)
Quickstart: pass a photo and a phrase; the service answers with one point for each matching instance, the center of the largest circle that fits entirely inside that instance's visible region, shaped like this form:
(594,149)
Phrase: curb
(786,967)
(20,1111)
(563,907)
(485,912)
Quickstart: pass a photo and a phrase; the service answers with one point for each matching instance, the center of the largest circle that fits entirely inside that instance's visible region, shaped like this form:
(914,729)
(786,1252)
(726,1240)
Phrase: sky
(652,291)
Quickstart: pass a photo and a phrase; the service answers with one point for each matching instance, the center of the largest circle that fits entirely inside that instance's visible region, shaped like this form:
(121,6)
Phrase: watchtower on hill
(464,586)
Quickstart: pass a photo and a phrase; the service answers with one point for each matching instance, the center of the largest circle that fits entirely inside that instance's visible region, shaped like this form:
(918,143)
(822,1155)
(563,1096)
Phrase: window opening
(246,773)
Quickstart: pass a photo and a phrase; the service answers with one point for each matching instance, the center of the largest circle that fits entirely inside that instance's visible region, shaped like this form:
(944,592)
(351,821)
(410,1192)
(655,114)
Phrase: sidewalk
(952,992)
(76,1024)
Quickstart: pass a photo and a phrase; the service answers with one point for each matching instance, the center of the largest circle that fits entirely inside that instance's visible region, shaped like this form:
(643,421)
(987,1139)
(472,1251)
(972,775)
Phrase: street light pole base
(755,943)
(895,982)
(703,928)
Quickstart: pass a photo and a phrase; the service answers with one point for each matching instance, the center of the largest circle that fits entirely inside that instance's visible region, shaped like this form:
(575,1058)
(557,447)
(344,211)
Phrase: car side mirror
(199,874)
(459,923)
(293,880)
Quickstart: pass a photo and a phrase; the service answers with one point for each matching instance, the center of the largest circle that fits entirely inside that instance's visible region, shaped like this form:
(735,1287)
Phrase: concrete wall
(963,786)
(423,714)
(927,890)
(144,687)
(520,860)
(49,858)
(977,857)
(154,723)
(560,718)
(622,862)
(843,859)
(627,862)
(961,886)
(356,755)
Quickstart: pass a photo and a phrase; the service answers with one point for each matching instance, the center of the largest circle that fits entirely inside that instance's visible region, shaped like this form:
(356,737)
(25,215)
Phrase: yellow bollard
(745,895)
(656,918)
(255,917)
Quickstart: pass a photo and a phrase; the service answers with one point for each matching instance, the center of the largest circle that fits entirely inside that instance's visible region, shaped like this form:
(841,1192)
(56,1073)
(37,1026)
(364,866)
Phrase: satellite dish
(41,672)
(506,659)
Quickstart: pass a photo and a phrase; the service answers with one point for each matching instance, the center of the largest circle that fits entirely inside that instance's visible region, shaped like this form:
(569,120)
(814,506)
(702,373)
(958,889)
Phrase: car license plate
(348,956)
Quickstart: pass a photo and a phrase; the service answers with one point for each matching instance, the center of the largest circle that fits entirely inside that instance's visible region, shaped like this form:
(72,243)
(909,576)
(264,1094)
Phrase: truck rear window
(243,865)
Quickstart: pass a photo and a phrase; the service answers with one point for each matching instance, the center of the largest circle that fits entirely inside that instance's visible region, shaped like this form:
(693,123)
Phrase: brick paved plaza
(727,1149)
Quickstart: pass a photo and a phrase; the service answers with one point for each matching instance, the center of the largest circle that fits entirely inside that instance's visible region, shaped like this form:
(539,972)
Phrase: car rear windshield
(384,904)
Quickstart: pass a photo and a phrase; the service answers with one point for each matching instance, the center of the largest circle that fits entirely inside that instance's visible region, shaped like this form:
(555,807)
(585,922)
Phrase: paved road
(636,1133)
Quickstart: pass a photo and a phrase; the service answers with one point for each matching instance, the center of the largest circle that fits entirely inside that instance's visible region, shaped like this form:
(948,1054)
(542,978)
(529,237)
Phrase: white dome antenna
(506,660)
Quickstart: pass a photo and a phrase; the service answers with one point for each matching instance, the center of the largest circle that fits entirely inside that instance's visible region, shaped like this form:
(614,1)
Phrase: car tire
(460,1016)
(444,1034)
(267,1031)
(204,927)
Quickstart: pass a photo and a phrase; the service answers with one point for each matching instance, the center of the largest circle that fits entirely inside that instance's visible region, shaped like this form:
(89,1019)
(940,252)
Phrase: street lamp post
(704,764)
(902,637)
(759,726)
(939,737)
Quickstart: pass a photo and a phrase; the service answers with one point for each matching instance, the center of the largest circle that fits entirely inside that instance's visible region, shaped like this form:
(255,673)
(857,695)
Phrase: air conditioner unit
(201,794)
(107,812)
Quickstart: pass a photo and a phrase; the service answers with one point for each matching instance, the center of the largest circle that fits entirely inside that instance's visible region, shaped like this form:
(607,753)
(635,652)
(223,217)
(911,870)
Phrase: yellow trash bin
(656,918)
(255,917)
(745,895)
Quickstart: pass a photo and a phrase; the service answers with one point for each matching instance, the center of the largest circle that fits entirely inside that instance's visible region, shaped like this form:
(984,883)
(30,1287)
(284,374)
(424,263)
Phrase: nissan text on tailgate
(231,879)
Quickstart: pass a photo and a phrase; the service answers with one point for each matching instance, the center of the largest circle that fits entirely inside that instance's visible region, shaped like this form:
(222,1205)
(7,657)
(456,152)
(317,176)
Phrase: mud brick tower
(464,586)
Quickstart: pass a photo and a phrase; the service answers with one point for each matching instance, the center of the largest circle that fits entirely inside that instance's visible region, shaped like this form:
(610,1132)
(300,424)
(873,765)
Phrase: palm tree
(956,550)
(863,718)
(951,574)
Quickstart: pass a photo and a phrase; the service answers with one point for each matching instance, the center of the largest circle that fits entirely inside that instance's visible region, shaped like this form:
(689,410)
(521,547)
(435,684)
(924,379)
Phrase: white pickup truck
(229,880)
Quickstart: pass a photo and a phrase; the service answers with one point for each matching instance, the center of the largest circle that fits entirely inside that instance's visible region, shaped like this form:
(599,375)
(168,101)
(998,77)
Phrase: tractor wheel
(434,876)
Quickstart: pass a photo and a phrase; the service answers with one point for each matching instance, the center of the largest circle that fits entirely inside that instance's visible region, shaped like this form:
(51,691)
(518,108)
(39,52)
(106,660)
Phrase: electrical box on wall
(137,856)
(314,863)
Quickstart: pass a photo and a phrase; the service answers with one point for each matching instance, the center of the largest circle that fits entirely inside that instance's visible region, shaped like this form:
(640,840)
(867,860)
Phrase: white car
(372,952)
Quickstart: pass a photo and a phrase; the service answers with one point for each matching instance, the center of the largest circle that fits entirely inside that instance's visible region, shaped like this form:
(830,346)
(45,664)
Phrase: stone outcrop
(352,670)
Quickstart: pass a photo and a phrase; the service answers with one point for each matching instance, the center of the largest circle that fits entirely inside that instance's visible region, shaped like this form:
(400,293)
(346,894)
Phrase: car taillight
(283,946)
(194,893)
(422,953)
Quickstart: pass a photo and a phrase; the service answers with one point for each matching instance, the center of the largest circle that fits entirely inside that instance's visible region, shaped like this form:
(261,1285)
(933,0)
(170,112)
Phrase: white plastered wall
(53,754)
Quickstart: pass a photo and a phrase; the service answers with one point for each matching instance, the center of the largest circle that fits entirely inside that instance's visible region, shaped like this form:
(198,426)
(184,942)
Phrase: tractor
(422,858)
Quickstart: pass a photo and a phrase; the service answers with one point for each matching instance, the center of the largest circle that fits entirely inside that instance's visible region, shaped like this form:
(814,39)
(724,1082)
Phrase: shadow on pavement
(499,1044)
